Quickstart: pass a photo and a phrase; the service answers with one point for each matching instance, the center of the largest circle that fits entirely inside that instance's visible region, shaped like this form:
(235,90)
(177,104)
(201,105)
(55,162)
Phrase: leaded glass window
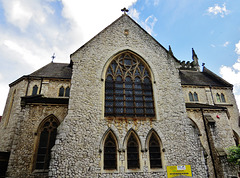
(128,88)
(154,152)
(47,132)
(110,153)
(132,153)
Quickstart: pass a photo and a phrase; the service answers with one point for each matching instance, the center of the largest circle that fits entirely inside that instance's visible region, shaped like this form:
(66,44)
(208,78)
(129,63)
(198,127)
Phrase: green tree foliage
(234,154)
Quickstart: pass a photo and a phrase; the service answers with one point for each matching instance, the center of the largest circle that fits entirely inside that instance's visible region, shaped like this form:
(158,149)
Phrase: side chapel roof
(204,78)
(51,70)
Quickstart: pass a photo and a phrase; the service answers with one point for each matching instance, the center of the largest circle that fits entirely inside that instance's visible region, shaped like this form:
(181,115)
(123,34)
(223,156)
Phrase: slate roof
(51,70)
(54,70)
(205,78)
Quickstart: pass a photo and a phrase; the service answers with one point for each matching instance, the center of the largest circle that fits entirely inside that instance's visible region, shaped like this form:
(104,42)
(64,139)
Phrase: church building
(124,106)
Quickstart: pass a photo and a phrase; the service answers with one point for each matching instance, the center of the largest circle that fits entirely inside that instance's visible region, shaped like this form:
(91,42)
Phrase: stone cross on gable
(124,10)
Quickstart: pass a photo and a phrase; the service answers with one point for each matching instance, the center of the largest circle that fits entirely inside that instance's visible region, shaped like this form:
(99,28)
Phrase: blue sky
(31,31)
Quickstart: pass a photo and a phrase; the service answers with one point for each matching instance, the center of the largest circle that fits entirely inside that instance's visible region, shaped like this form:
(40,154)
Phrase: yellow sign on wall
(174,171)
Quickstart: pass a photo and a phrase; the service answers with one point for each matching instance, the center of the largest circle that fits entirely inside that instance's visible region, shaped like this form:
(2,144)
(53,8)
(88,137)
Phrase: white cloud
(212,45)
(232,75)
(237,49)
(226,44)
(216,9)
(134,14)
(149,23)
(35,30)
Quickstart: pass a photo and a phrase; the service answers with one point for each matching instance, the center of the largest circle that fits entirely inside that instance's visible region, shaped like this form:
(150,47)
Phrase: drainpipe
(40,89)
(208,140)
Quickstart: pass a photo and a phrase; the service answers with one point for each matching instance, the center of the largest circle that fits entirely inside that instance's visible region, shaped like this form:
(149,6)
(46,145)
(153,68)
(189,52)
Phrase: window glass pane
(154,153)
(119,97)
(148,98)
(109,85)
(139,110)
(109,97)
(149,104)
(190,96)
(110,153)
(218,98)
(35,90)
(139,103)
(109,109)
(130,110)
(148,92)
(138,98)
(223,98)
(109,103)
(61,91)
(109,92)
(129,104)
(195,96)
(149,111)
(114,65)
(129,97)
(132,153)
(137,80)
(46,142)
(67,93)
(128,62)
(138,92)
(147,80)
(109,78)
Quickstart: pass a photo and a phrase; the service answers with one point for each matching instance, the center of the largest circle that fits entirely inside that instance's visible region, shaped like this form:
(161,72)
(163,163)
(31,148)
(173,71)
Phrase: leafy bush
(234,154)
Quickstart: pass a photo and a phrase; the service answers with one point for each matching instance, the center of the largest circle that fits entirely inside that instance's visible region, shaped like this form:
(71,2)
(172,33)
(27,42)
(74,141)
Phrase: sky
(32,31)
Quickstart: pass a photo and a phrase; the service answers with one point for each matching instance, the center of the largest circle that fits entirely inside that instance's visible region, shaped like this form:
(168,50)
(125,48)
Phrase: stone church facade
(123,107)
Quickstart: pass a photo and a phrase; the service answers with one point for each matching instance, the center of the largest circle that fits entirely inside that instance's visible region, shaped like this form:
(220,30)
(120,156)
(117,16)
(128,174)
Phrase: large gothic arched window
(128,88)
(47,134)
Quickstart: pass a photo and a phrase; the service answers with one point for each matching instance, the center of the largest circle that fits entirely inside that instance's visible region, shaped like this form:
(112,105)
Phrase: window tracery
(128,88)
(47,135)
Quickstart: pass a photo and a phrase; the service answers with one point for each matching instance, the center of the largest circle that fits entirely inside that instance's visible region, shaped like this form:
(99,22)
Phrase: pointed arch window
(195,95)
(47,133)
(61,91)
(220,98)
(190,96)
(223,98)
(110,153)
(154,152)
(133,152)
(35,90)
(128,88)
(67,92)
